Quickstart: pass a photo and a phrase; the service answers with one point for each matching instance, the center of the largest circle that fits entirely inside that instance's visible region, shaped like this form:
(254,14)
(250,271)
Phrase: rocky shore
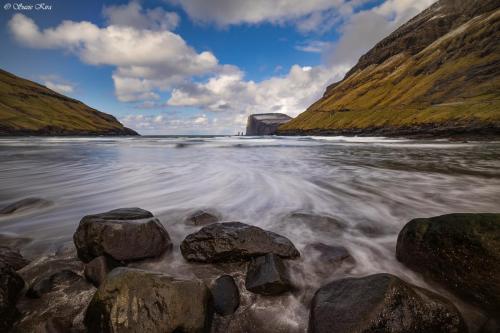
(106,281)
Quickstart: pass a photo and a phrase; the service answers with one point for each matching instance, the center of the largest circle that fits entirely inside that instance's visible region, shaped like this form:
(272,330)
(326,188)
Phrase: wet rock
(24,204)
(461,251)
(330,254)
(12,257)
(98,268)
(125,234)
(267,275)
(203,217)
(234,241)
(66,296)
(133,300)
(381,303)
(47,284)
(226,295)
(11,285)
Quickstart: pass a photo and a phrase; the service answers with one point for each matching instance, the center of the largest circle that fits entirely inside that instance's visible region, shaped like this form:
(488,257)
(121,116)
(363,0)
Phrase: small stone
(24,204)
(12,257)
(226,295)
(203,217)
(267,275)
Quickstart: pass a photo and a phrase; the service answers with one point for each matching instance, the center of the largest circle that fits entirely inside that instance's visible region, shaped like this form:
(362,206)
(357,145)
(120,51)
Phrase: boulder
(381,303)
(265,123)
(460,251)
(11,285)
(62,291)
(267,275)
(12,257)
(234,241)
(203,217)
(133,300)
(226,295)
(98,268)
(125,234)
(23,205)
(47,284)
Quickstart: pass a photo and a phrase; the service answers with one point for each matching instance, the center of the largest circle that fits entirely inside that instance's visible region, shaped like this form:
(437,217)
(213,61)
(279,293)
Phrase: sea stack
(265,123)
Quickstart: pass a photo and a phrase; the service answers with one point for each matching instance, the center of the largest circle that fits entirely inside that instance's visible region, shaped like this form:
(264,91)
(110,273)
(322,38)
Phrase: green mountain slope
(439,74)
(28,108)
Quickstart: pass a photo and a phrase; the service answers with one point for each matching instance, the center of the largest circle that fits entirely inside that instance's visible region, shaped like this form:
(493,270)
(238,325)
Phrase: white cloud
(315,46)
(56,83)
(146,60)
(306,15)
(229,93)
(133,15)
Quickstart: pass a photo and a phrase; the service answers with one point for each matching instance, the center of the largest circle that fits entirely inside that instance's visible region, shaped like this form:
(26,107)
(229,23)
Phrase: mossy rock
(133,300)
(460,251)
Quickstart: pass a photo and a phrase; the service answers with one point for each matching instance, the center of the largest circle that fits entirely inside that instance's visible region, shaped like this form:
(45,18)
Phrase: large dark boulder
(11,285)
(267,275)
(226,295)
(57,290)
(125,234)
(133,300)
(461,251)
(265,123)
(381,303)
(234,241)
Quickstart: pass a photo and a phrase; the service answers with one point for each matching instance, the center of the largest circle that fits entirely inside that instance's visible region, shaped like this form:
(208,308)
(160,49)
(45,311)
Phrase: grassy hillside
(437,74)
(27,108)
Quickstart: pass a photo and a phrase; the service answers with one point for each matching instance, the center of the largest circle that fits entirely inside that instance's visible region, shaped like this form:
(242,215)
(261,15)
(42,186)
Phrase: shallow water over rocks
(364,189)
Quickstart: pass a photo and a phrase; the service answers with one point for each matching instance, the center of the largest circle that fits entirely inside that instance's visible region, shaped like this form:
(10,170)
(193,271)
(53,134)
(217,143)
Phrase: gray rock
(11,285)
(265,123)
(234,241)
(381,303)
(226,295)
(12,257)
(98,268)
(125,234)
(267,275)
(460,251)
(66,295)
(24,204)
(133,300)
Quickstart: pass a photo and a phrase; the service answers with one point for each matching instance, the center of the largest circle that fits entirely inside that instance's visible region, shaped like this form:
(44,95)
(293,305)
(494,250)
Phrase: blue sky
(193,66)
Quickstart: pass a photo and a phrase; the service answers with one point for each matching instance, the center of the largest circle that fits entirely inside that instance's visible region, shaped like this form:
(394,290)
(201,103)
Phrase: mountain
(438,74)
(28,108)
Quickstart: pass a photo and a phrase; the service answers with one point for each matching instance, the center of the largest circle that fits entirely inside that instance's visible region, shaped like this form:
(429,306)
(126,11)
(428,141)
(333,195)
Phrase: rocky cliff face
(265,123)
(28,108)
(438,74)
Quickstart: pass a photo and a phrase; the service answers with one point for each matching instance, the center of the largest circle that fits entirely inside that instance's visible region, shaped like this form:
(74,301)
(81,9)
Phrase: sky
(193,66)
